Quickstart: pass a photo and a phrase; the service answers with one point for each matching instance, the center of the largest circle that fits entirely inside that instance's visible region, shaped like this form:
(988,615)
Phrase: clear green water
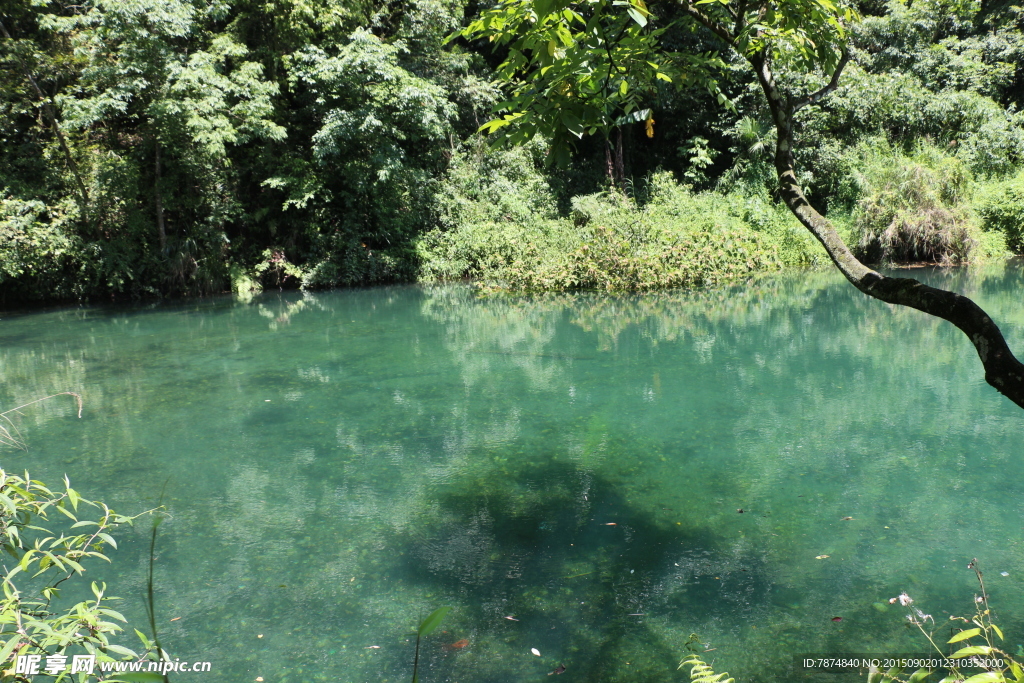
(337,465)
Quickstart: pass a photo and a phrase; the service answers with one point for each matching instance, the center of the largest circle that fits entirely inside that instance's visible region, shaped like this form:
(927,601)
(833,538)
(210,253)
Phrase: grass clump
(914,207)
(928,206)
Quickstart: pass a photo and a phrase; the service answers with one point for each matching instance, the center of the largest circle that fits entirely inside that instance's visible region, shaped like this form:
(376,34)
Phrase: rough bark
(1002,369)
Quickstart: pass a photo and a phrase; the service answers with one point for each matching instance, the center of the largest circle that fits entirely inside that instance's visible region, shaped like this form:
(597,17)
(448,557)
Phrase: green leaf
(142,637)
(84,522)
(964,635)
(73,496)
(998,631)
(9,647)
(120,650)
(432,621)
(636,16)
(572,123)
(9,504)
(919,676)
(987,677)
(108,539)
(1018,673)
(975,650)
(25,559)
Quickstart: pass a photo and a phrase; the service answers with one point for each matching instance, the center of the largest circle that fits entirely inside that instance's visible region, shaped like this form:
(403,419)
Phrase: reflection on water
(567,471)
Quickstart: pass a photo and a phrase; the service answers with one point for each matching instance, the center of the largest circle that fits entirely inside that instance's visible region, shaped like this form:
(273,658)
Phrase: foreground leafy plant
(701,671)
(44,555)
(996,665)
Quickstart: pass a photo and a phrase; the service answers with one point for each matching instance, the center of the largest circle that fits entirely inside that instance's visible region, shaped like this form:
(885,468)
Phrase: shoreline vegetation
(156,149)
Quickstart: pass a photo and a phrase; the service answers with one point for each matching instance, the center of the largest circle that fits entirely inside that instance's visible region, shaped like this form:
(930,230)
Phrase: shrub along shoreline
(921,206)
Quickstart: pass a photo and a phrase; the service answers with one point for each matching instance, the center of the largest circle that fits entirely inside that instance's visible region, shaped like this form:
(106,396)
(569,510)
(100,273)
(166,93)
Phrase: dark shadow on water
(578,567)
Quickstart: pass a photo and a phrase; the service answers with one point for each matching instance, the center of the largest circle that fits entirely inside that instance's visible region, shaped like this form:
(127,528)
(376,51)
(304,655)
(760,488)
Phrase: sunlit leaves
(575,68)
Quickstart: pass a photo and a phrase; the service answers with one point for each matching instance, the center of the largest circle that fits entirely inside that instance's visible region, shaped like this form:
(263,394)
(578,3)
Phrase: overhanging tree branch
(1002,369)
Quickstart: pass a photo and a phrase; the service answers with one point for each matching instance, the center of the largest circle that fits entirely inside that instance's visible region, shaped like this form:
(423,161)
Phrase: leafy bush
(1001,207)
(610,241)
(39,250)
(48,542)
(609,261)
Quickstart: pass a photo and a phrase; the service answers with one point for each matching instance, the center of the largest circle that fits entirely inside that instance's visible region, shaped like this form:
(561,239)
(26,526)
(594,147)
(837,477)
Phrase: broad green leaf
(974,650)
(637,16)
(432,621)
(998,631)
(919,676)
(987,677)
(572,123)
(964,635)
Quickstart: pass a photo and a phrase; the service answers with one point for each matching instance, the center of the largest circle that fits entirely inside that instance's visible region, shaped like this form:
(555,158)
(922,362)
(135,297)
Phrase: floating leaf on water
(821,557)
(511,618)
(535,651)
(1004,573)
(846,519)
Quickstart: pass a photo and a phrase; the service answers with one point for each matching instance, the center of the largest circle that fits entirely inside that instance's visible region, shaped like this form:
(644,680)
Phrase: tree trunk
(159,203)
(620,166)
(609,165)
(1002,370)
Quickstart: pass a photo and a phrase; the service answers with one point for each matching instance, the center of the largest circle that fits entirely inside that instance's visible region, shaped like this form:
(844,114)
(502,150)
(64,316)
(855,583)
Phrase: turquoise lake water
(337,465)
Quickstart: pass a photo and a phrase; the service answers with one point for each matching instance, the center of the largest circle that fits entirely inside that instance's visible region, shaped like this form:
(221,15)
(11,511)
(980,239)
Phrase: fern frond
(701,672)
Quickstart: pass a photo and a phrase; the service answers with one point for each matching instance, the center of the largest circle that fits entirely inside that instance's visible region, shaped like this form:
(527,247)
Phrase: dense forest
(187,147)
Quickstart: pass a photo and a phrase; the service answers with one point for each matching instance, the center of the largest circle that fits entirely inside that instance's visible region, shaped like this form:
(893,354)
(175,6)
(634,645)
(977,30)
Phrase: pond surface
(596,477)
